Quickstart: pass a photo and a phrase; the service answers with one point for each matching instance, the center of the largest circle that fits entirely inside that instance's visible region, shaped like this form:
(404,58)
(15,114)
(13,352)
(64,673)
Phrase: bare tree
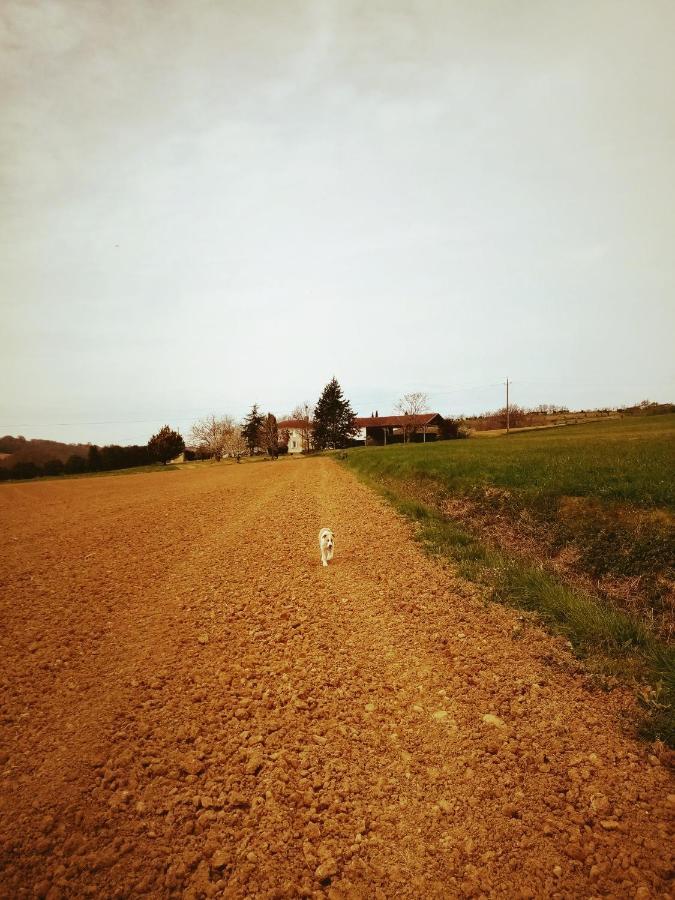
(411,405)
(269,435)
(284,438)
(235,443)
(211,434)
(303,414)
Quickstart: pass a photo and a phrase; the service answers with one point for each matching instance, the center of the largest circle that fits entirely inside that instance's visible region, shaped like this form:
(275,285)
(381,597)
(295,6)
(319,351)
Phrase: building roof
(375,421)
(294,423)
(398,421)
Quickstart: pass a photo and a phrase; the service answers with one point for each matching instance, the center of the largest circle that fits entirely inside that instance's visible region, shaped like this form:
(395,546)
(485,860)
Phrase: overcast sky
(205,204)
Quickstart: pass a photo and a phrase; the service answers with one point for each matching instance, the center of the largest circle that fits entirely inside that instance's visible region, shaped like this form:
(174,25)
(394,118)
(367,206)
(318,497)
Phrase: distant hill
(18,449)
(550,415)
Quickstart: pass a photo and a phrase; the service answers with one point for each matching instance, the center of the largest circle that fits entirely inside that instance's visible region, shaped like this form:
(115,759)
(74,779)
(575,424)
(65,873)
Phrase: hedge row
(99,459)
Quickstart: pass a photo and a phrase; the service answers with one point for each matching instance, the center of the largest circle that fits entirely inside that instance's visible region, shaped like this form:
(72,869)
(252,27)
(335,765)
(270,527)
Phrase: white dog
(326,542)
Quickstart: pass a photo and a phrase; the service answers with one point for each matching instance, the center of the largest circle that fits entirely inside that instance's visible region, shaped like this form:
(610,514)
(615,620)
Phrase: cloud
(41,28)
(190,184)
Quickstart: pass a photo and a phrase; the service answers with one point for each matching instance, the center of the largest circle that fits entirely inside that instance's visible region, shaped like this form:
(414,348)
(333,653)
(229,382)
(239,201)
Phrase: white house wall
(295,440)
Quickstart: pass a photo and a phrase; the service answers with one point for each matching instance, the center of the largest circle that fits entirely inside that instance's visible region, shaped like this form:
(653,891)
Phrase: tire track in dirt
(229,718)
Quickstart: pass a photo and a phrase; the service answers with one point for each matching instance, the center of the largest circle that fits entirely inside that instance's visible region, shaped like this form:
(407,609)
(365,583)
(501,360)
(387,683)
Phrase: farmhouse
(299,434)
(373,430)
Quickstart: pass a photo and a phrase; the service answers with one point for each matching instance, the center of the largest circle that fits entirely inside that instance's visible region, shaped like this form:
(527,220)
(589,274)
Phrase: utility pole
(507,406)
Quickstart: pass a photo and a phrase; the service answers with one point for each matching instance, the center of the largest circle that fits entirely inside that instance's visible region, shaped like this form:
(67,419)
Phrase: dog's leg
(324,561)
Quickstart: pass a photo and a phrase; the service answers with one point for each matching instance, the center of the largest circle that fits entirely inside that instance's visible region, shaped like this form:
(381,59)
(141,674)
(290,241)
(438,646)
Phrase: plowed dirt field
(193,707)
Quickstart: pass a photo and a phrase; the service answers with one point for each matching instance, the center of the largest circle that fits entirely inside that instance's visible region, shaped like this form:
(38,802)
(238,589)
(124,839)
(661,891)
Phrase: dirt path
(191,706)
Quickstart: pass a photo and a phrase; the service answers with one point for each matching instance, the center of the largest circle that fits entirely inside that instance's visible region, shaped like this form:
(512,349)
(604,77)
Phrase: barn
(382,430)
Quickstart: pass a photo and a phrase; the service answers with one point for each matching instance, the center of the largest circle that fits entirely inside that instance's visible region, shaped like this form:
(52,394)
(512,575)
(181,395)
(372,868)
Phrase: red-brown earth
(193,707)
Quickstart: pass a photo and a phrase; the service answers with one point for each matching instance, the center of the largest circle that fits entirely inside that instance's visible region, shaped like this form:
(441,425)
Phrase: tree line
(330,424)
(98,459)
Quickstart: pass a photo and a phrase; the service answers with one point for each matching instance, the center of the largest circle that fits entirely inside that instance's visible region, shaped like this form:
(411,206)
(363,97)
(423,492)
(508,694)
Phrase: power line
(364,400)
(593,384)
(107,422)
(165,416)
(434,390)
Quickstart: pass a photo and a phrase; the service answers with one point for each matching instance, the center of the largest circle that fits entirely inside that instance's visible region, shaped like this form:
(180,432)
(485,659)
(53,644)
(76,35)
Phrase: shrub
(25,470)
(94,459)
(53,467)
(112,456)
(165,445)
(75,465)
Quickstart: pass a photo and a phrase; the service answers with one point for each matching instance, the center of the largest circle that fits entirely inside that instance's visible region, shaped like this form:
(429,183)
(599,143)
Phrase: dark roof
(399,421)
(374,421)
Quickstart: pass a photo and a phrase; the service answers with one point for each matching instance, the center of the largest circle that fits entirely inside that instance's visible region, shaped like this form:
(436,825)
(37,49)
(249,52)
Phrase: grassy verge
(465,497)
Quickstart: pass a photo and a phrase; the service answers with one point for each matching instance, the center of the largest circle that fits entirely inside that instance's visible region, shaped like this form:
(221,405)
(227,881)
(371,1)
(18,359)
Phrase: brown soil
(193,707)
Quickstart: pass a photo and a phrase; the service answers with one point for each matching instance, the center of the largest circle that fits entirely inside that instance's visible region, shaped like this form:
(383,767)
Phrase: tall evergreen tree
(334,419)
(251,429)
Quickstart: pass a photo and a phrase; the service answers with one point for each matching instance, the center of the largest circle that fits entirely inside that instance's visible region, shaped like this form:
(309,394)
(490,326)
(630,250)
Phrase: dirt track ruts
(191,706)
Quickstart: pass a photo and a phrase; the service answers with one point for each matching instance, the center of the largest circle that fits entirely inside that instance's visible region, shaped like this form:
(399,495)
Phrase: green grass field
(629,460)
(575,524)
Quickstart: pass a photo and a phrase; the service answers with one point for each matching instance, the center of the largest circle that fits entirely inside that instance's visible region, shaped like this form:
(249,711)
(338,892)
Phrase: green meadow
(629,460)
(573,524)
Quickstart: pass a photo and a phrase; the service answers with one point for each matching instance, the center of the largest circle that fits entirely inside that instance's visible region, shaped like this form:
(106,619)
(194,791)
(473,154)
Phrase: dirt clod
(220,859)
(489,719)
